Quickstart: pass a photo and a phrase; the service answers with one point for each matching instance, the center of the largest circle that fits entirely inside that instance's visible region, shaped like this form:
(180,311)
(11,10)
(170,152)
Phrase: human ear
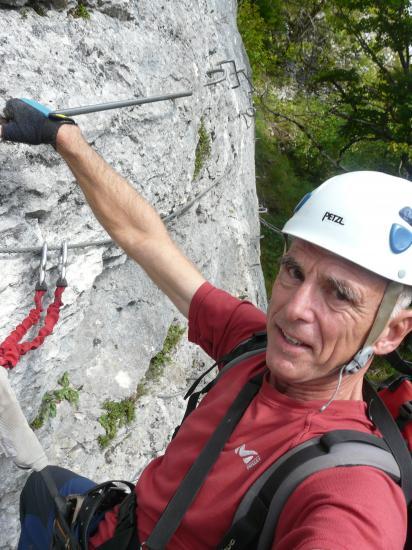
(394,332)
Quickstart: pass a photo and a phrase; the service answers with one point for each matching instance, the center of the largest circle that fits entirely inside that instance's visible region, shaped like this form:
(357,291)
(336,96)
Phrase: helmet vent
(400,238)
(302,201)
(406,214)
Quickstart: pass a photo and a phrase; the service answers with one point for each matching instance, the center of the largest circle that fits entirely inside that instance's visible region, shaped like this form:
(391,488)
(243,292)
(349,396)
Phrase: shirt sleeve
(219,321)
(344,508)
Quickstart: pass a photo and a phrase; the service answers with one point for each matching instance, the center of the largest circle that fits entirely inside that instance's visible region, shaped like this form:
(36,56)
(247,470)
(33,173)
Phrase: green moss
(120,413)
(203,149)
(24,13)
(161,359)
(48,407)
(80,11)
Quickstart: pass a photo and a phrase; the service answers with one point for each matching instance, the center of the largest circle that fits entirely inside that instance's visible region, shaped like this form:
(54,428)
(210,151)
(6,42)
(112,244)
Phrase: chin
(284,370)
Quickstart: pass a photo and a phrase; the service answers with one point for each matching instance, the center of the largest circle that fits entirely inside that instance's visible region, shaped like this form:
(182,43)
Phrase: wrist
(68,140)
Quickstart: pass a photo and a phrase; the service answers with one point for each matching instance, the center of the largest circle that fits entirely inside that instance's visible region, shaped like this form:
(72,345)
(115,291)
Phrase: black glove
(29,122)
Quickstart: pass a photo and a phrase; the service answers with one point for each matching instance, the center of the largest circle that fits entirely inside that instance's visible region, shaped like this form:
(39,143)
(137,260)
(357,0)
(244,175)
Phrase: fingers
(3,121)
(10,108)
(11,132)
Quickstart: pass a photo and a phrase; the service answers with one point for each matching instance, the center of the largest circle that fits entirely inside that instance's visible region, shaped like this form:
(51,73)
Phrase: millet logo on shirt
(250,458)
(333,218)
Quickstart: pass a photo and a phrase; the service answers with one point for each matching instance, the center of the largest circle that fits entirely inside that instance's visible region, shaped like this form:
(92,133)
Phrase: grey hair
(404,301)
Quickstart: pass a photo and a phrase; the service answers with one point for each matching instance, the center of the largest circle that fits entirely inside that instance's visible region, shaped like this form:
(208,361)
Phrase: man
(332,309)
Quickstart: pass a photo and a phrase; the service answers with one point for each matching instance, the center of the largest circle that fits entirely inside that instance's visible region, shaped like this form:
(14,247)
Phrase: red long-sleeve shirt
(341,508)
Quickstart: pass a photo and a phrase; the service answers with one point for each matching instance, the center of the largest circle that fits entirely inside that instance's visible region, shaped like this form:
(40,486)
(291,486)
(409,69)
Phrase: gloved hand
(16,437)
(28,122)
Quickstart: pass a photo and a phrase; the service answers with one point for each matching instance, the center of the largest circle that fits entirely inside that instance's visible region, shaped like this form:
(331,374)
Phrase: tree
(334,80)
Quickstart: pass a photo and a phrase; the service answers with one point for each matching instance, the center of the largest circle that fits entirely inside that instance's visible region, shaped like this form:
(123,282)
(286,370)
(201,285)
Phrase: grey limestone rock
(114,320)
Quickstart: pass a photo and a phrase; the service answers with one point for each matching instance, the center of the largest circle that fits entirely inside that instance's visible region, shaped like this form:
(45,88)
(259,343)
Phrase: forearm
(129,219)
(125,214)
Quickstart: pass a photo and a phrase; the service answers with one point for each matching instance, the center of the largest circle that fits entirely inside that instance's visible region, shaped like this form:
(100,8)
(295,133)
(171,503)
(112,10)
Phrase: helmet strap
(390,297)
(392,292)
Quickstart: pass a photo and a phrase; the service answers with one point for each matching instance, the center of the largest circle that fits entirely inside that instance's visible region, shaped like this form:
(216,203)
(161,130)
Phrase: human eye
(342,292)
(292,269)
(295,273)
(342,295)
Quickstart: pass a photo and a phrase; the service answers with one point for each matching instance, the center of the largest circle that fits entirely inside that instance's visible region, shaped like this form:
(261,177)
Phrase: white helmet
(365,217)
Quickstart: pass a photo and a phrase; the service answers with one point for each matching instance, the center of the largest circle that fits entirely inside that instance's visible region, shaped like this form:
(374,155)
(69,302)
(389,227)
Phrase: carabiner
(41,284)
(62,265)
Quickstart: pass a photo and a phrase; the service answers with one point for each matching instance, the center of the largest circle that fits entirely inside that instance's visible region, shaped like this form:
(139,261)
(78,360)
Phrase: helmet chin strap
(360,360)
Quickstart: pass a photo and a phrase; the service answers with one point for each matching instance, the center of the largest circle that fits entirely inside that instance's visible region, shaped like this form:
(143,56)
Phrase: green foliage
(279,189)
(340,72)
(254,31)
(120,413)
(381,369)
(80,11)
(203,149)
(48,407)
(160,360)
(333,92)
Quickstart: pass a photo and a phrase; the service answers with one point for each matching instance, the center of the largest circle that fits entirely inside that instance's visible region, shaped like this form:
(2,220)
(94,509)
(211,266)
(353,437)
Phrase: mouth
(292,340)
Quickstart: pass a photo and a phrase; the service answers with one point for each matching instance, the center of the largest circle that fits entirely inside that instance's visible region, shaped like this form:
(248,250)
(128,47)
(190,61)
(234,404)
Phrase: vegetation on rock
(120,413)
(48,407)
(203,149)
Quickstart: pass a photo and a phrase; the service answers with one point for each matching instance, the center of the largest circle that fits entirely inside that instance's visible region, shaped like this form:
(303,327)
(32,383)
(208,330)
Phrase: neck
(322,390)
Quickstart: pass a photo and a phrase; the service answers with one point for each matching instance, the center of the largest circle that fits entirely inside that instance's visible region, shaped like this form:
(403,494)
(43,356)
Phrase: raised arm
(132,223)
(130,220)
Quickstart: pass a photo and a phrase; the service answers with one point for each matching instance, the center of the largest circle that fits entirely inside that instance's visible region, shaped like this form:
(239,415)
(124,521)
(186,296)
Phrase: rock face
(196,151)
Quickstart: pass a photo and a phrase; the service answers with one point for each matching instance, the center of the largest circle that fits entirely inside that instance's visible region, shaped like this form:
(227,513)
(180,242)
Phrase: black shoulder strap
(257,516)
(250,347)
(189,487)
(398,363)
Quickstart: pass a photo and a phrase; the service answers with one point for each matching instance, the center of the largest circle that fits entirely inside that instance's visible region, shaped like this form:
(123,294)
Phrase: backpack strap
(257,516)
(192,482)
(248,348)
(398,363)
(383,419)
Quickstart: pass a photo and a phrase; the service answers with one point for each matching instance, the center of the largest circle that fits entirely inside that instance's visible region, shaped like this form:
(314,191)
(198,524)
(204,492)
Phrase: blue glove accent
(44,110)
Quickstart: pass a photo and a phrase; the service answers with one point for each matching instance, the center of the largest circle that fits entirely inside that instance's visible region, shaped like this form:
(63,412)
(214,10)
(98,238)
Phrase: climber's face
(321,309)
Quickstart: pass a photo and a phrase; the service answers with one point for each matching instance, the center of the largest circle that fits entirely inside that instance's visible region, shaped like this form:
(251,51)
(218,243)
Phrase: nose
(302,303)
